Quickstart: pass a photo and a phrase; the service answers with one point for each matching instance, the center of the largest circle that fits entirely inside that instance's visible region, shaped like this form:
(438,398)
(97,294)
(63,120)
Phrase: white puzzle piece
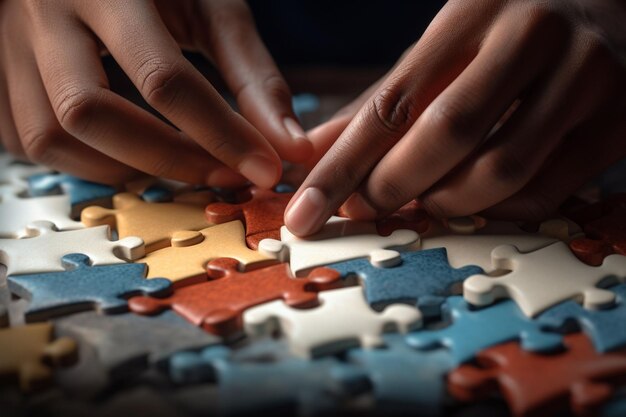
(16,173)
(16,213)
(343,320)
(42,252)
(339,240)
(540,279)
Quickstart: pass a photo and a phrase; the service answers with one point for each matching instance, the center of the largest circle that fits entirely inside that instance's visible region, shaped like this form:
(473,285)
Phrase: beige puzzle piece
(29,353)
(155,223)
(190,251)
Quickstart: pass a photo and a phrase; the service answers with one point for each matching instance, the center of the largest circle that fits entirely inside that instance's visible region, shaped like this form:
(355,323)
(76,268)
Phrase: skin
(503,107)
(56,107)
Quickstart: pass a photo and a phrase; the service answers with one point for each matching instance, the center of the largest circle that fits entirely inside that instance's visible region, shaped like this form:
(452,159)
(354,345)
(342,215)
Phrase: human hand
(56,107)
(502,107)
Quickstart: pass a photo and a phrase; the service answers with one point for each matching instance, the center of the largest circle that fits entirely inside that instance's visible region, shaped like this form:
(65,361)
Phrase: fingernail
(357,208)
(303,216)
(259,170)
(294,129)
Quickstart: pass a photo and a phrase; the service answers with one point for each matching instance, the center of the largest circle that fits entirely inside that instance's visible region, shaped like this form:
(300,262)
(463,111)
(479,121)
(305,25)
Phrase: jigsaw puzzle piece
(411,216)
(217,304)
(82,193)
(474,330)
(262,214)
(83,287)
(541,279)
(45,246)
(354,323)
(291,385)
(16,173)
(185,260)
(605,327)
(405,380)
(543,385)
(155,223)
(29,353)
(16,213)
(127,344)
(605,227)
(339,240)
(422,277)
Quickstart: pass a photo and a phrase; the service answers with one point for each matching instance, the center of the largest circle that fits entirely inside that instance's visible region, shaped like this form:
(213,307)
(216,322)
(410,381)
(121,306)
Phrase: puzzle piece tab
(290,385)
(155,223)
(423,277)
(29,353)
(349,322)
(605,327)
(186,259)
(45,246)
(262,214)
(543,385)
(405,380)
(541,279)
(217,304)
(474,330)
(82,193)
(16,213)
(83,287)
(339,240)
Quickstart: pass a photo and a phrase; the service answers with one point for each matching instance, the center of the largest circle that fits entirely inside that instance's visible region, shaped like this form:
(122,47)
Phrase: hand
(56,107)
(502,107)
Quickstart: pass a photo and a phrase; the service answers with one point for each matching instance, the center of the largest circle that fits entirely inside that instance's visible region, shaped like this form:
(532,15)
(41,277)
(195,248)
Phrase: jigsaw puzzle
(222,311)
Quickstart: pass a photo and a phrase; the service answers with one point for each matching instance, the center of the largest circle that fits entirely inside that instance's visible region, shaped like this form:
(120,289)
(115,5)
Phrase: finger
(518,151)
(8,133)
(384,119)
(139,41)
(588,151)
(262,94)
(459,120)
(84,106)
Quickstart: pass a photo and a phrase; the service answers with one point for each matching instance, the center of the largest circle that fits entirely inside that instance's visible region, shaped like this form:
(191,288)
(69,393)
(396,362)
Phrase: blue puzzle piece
(424,277)
(606,328)
(247,386)
(615,408)
(157,194)
(83,287)
(403,378)
(474,330)
(305,103)
(81,192)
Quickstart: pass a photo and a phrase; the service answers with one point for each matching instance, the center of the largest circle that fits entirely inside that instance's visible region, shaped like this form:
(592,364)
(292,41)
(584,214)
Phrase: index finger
(384,119)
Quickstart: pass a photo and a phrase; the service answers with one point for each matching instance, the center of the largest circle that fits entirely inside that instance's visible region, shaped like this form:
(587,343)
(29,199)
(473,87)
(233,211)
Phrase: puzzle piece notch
(354,323)
(155,223)
(306,387)
(543,278)
(83,287)
(262,214)
(29,353)
(471,331)
(604,327)
(421,277)
(217,305)
(42,251)
(339,240)
(185,261)
(579,378)
(16,213)
(81,192)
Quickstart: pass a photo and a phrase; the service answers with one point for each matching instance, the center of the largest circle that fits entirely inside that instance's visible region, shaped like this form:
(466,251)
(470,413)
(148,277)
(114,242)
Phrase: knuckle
(434,207)
(155,76)
(394,109)
(164,166)
(74,105)
(506,169)
(389,193)
(38,142)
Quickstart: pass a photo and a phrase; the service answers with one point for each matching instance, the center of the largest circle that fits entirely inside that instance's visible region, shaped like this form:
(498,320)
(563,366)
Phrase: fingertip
(307,213)
(357,208)
(260,170)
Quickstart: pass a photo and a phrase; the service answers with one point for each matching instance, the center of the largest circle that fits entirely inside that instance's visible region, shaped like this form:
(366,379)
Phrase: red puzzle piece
(410,216)
(218,304)
(262,215)
(540,384)
(604,224)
